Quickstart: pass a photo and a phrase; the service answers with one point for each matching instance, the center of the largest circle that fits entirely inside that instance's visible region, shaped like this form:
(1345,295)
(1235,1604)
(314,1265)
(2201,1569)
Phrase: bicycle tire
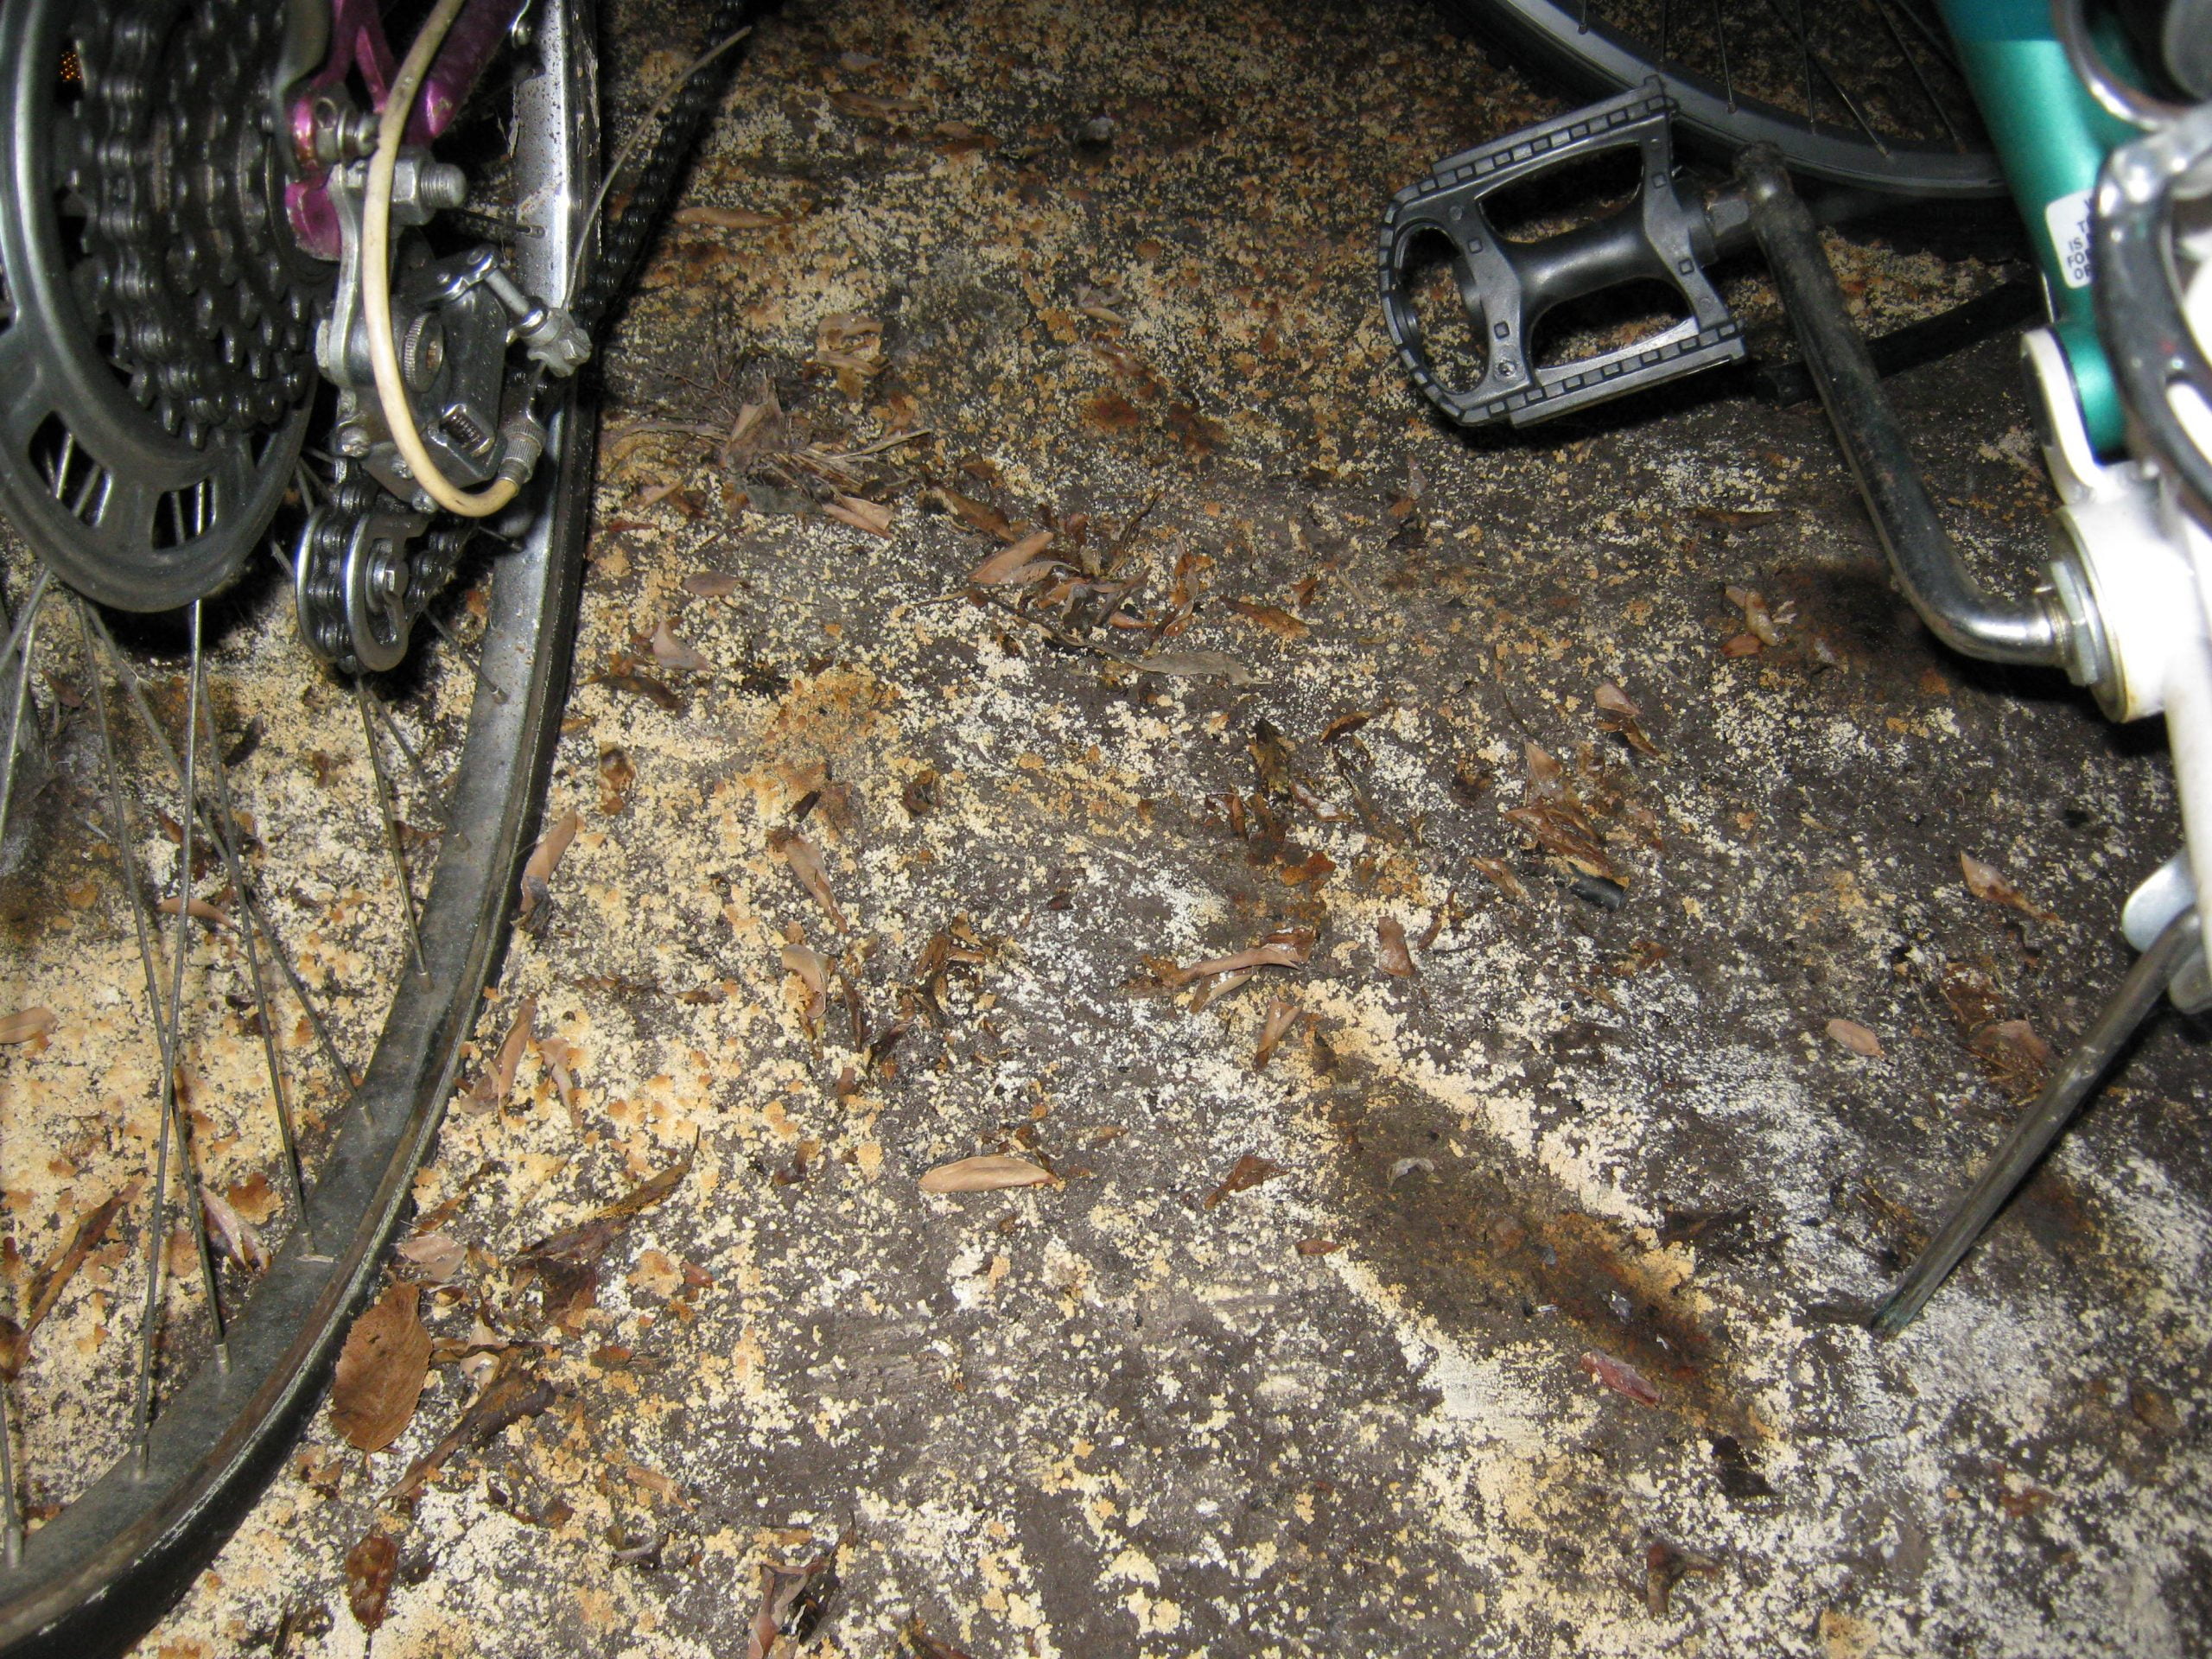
(96,1576)
(1579,47)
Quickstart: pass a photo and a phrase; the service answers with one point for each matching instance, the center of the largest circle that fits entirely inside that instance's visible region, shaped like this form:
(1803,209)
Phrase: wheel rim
(94,1574)
(1813,99)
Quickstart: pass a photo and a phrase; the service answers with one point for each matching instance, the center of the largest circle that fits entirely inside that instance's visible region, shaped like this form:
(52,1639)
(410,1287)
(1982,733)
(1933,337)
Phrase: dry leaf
(509,1396)
(713,584)
(1273,618)
(491,1090)
(200,910)
(989,1173)
(544,858)
(975,514)
(814,972)
(380,1371)
(1250,1171)
(232,1234)
(1397,961)
(21,1027)
(730,218)
(1620,1376)
(1282,1014)
(804,859)
(441,1256)
(672,652)
(370,1565)
(1764,624)
(870,515)
(617,777)
(791,1600)
(1849,1033)
(1988,882)
(1007,564)
(54,1274)
(1289,949)
(1501,875)
(1616,714)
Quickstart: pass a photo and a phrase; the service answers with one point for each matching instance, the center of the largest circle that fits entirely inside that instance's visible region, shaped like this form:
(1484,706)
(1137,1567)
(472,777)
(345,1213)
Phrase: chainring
(155,376)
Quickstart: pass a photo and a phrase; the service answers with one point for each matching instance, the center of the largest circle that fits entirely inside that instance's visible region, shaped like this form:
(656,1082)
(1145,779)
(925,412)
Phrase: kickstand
(2054,1110)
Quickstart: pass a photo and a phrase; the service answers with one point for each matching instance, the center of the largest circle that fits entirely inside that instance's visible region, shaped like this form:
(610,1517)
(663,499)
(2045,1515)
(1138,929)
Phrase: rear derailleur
(372,558)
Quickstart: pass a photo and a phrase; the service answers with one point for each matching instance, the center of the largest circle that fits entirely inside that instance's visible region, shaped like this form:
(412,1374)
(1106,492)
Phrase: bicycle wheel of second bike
(1865,94)
(291,997)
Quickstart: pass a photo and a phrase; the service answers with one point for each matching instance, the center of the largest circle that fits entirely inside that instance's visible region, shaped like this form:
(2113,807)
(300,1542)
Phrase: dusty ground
(1343,1409)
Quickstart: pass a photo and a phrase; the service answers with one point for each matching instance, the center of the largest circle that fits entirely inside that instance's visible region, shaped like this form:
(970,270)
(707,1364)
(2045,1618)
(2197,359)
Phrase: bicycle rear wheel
(131,1444)
(1866,95)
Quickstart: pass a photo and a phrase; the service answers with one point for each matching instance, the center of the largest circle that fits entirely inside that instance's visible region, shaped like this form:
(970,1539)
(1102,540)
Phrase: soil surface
(1518,1281)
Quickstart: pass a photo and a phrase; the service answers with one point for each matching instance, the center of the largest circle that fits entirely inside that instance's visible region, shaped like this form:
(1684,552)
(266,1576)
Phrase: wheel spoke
(21,638)
(263,1014)
(389,811)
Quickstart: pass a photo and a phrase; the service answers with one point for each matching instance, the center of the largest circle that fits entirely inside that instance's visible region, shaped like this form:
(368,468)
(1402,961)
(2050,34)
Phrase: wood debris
(730,218)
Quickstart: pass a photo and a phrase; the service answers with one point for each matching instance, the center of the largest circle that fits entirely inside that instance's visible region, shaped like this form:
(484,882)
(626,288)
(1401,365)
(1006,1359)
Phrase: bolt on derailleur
(369,562)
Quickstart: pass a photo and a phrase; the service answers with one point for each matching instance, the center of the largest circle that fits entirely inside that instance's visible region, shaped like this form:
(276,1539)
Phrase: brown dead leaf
(713,584)
(870,515)
(991,1173)
(617,777)
(1988,882)
(976,515)
(1287,949)
(492,1089)
(199,909)
(1249,1172)
(813,972)
(1501,875)
(673,654)
(638,685)
(1849,1033)
(510,1394)
(1620,1376)
(440,1255)
(1273,618)
(544,858)
(1008,564)
(2018,1059)
(791,1602)
(1616,714)
(233,1233)
(21,1027)
(370,1565)
(1282,1014)
(53,1276)
(1397,959)
(380,1371)
(804,859)
(730,218)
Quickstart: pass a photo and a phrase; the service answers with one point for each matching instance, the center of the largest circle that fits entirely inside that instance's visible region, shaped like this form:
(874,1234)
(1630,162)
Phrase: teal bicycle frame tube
(2051,138)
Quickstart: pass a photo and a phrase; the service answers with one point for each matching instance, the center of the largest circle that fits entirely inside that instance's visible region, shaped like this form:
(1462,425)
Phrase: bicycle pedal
(1507,287)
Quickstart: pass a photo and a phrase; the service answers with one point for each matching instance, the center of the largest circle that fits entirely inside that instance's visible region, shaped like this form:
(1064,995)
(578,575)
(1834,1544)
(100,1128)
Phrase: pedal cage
(1507,286)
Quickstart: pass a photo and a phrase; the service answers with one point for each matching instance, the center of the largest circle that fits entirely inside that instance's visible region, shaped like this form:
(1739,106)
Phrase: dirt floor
(1306,1351)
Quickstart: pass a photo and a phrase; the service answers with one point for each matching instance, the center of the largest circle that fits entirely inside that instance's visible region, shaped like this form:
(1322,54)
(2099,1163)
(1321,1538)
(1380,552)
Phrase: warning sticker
(2069,219)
